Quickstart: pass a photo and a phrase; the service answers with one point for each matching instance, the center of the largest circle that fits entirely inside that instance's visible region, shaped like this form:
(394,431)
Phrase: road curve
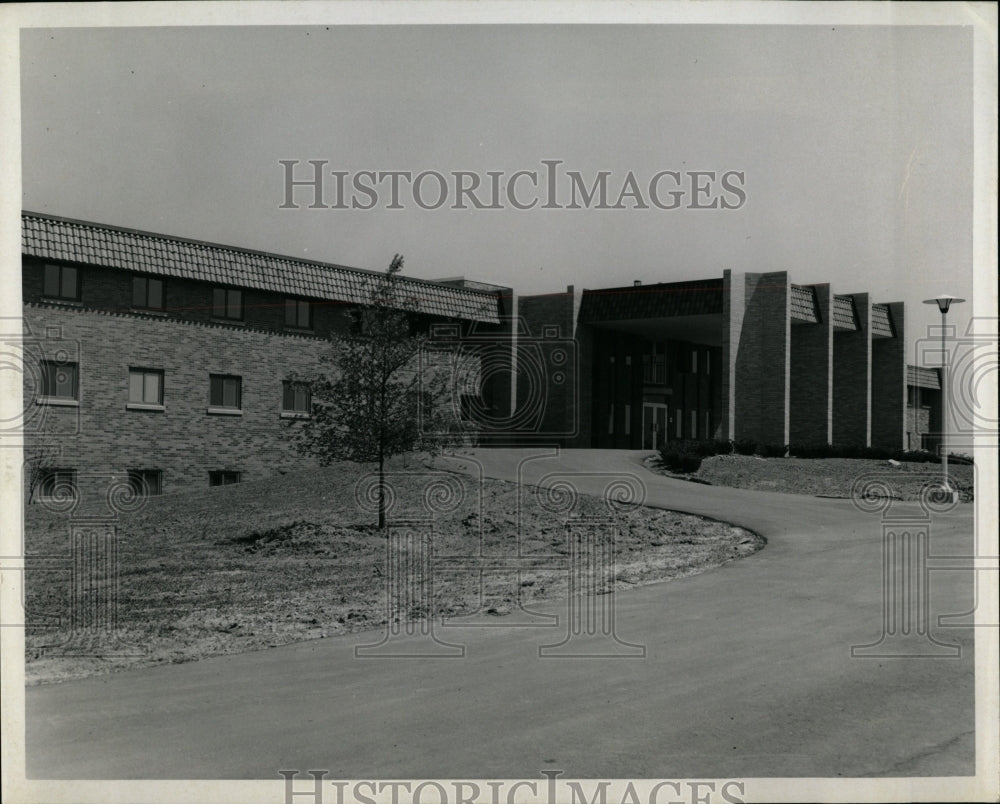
(747,672)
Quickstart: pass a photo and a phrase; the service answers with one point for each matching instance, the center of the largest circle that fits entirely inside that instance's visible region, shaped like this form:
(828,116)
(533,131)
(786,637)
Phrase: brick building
(746,356)
(168,362)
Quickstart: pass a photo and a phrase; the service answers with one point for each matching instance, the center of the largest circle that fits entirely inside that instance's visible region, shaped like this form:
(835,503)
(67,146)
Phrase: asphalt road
(747,672)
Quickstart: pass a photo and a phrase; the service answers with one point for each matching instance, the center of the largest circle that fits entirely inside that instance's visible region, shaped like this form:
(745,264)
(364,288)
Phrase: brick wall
(548,374)
(852,377)
(888,428)
(760,371)
(184,441)
(811,376)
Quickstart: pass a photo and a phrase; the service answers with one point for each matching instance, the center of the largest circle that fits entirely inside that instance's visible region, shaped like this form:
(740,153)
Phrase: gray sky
(856,143)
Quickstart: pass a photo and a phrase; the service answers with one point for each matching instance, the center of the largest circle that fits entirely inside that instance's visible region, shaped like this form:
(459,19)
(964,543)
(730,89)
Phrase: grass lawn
(261,564)
(828,477)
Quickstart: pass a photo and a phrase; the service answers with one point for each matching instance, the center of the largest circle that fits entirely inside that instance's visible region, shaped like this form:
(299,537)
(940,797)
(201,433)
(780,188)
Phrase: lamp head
(944,302)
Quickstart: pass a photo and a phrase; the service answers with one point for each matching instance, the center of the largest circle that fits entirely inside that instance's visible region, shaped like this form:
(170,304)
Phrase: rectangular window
(225,391)
(694,361)
(61,282)
(628,420)
(57,484)
(223,478)
(611,420)
(298,314)
(296,397)
(145,386)
(694,424)
(147,293)
(227,303)
(680,423)
(708,362)
(708,424)
(146,482)
(60,380)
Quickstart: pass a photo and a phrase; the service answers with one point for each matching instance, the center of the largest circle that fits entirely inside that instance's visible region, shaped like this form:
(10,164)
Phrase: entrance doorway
(654,424)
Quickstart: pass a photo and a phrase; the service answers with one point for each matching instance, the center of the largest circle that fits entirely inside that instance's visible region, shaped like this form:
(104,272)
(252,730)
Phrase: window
(61,282)
(147,293)
(57,484)
(708,424)
(296,397)
(225,391)
(628,420)
(611,419)
(60,381)
(654,366)
(680,423)
(223,478)
(708,362)
(145,387)
(694,361)
(298,314)
(146,482)
(694,424)
(227,303)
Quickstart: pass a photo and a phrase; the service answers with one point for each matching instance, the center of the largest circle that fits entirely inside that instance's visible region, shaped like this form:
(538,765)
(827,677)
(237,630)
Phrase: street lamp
(944,303)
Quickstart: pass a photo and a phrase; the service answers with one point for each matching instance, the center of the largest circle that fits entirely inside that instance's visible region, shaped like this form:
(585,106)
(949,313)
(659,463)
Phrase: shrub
(681,456)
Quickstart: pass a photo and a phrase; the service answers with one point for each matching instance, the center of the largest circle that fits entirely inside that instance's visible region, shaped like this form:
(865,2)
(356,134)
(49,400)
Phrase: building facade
(745,356)
(171,363)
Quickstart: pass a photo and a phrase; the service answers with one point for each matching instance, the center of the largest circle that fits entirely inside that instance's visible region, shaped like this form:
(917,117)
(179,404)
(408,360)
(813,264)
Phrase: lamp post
(944,303)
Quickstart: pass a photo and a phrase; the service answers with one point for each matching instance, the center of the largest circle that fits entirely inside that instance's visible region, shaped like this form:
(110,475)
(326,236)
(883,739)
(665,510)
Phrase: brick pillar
(888,406)
(852,379)
(811,376)
(548,379)
(758,345)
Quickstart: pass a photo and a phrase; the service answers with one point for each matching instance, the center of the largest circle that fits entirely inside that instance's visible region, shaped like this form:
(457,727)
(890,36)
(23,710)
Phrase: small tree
(368,408)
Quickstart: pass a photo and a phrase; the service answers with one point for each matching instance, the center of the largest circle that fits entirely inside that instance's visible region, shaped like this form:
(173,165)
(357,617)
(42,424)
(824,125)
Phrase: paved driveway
(748,672)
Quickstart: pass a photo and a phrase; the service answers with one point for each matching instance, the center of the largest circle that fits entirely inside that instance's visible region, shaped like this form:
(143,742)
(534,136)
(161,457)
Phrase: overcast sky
(855,144)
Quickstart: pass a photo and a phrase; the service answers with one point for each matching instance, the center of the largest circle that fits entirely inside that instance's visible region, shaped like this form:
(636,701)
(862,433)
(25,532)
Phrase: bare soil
(261,564)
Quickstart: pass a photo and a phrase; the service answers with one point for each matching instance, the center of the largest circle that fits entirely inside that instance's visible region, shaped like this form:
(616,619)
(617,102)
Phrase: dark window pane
(219,302)
(287,396)
(234,304)
(290,312)
(138,292)
(230,398)
(68,283)
(215,393)
(155,294)
(50,287)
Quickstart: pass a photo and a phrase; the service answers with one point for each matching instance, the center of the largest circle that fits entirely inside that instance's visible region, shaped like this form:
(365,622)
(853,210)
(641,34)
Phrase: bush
(681,456)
